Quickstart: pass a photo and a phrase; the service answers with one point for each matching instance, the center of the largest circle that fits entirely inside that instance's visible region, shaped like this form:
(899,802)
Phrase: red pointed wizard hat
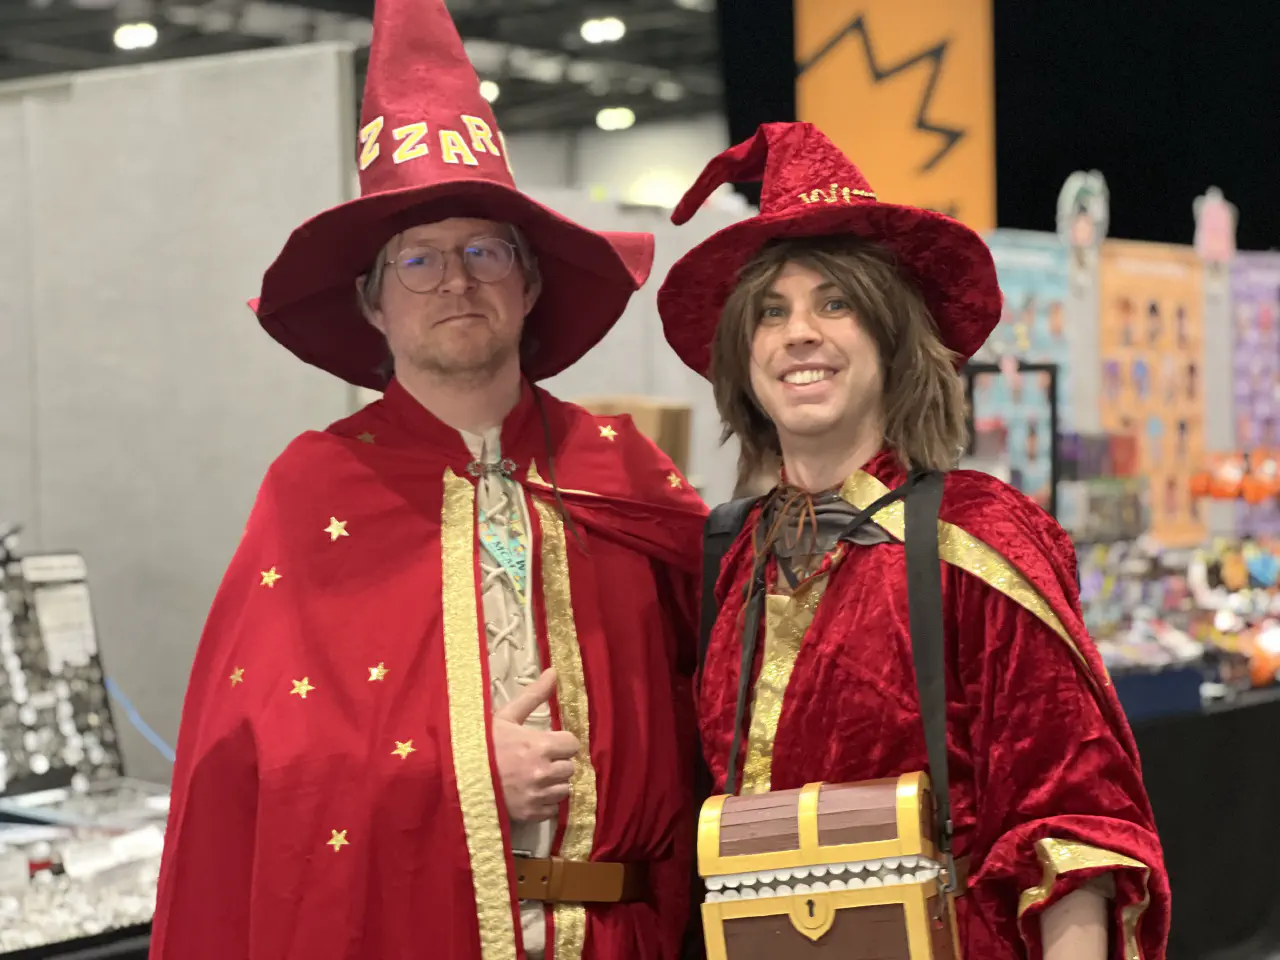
(429,149)
(811,189)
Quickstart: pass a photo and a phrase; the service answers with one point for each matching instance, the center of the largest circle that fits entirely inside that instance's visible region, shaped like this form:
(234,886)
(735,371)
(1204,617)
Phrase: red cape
(335,794)
(1046,783)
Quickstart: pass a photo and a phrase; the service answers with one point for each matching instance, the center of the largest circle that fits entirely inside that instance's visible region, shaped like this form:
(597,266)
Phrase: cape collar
(521,437)
(884,466)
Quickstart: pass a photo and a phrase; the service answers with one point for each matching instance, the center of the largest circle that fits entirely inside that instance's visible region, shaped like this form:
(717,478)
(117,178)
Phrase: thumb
(530,698)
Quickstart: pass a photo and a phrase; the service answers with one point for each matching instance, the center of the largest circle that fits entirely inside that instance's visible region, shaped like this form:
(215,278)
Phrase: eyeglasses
(421,267)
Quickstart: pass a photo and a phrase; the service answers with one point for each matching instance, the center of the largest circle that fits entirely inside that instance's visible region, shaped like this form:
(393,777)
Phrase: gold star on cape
(365,437)
(302,687)
(269,577)
(378,673)
(608,432)
(337,839)
(404,748)
(673,478)
(237,676)
(336,528)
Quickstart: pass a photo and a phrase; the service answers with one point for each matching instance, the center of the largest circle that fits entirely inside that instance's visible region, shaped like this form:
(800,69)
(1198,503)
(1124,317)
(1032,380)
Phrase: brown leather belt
(575,881)
(962,875)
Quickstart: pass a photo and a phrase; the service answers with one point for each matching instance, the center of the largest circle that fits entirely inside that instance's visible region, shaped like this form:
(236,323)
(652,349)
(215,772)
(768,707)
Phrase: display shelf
(79,843)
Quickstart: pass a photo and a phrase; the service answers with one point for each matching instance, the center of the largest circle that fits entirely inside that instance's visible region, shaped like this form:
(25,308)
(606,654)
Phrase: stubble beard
(467,362)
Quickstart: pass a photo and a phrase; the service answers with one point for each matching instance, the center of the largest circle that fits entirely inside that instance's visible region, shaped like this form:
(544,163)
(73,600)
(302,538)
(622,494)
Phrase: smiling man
(831,326)
(442,703)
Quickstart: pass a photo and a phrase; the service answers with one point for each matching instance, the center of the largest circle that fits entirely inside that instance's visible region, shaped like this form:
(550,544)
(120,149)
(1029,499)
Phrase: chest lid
(870,828)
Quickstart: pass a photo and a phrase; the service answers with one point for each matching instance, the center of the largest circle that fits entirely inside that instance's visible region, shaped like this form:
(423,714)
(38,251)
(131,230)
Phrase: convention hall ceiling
(550,64)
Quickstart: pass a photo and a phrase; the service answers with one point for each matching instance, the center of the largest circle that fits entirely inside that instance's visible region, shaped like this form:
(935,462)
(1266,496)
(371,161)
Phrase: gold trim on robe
(962,549)
(1059,857)
(468,726)
(535,478)
(571,694)
(786,622)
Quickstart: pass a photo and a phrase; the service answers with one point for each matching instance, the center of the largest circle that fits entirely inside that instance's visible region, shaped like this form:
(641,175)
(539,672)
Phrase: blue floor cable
(139,724)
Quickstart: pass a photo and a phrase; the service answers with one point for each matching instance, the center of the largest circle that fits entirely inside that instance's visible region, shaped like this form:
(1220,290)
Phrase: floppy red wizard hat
(811,189)
(429,149)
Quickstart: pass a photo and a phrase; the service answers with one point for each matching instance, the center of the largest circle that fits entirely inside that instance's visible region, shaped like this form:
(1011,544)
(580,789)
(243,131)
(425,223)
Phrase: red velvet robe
(335,795)
(1046,784)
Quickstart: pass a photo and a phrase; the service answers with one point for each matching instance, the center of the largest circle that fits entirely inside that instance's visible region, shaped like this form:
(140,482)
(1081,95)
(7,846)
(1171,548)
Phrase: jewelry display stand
(79,842)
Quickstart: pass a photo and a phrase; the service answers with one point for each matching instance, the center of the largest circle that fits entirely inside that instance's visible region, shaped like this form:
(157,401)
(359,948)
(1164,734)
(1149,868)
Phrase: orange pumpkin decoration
(1226,475)
(1266,467)
(1254,489)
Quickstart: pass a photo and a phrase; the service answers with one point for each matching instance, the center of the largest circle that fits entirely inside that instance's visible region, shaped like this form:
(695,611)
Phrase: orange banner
(907,91)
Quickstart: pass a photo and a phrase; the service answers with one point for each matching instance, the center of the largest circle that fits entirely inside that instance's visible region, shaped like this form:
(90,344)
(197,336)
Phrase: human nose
(455,278)
(800,327)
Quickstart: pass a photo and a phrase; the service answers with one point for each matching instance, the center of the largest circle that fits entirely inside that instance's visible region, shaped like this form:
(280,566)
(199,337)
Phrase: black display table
(1214,782)
(131,943)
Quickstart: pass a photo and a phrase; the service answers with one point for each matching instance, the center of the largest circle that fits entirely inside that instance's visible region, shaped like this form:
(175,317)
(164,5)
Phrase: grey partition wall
(140,403)
(17,455)
(634,358)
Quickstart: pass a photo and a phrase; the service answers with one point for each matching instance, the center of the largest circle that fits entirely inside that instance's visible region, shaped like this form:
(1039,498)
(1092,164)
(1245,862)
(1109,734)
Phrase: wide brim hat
(430,149)
(810,189)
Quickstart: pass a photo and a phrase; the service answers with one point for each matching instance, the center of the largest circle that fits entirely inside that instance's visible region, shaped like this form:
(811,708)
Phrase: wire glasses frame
(421,267)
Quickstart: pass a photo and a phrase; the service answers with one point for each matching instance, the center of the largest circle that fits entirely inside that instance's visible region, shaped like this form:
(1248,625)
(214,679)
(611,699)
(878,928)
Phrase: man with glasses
(442,703)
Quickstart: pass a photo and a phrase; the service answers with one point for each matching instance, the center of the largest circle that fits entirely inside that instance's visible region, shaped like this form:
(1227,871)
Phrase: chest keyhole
(811,907)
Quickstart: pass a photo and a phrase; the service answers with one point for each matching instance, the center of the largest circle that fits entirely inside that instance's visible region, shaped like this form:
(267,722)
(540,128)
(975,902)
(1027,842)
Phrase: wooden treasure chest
(830,870)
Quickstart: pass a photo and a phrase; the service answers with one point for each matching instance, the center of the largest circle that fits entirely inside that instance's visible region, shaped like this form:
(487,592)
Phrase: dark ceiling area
(664,65)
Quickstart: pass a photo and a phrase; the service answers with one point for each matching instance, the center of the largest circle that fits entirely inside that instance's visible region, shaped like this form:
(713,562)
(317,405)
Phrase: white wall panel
(161,193)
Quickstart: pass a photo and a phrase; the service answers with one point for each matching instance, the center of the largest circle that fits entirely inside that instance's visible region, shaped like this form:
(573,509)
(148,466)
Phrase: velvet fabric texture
(335,795)
(430,149)
(1046,783)
(810,189)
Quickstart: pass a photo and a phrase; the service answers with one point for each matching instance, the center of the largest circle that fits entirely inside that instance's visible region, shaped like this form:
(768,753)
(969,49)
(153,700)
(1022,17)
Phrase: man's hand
(535,766)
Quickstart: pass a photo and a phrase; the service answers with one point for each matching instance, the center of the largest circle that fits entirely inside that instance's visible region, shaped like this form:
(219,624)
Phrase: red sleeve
(1060,800)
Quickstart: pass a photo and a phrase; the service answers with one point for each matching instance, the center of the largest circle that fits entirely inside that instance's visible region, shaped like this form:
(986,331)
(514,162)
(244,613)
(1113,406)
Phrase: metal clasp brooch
(504,467)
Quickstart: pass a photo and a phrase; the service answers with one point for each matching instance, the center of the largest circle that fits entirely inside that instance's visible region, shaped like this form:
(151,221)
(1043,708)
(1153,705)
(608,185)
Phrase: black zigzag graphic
(950,135)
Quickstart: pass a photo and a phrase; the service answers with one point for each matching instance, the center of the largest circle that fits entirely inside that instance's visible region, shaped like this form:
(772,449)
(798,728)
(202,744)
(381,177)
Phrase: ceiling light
(603,30)
(489,90)
(136,36)
(668,90)
(662,188)
(615,118)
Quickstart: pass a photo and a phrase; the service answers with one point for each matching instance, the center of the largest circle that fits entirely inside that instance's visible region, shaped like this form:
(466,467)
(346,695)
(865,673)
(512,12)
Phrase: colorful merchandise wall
(1255,298)
(1160,354)
(1030,389)
(1150,345)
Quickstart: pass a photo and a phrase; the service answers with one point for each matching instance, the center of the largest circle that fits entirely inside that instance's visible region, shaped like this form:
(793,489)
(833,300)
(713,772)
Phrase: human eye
(483,250)
(771,313)
(415,258)
(836,305)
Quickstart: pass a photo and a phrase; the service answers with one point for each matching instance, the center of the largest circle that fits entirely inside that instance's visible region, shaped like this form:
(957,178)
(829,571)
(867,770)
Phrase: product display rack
(79,843)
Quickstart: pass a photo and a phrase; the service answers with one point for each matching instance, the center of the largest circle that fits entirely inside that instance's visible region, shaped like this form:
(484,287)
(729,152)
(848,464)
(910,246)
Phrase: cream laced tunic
(514,661)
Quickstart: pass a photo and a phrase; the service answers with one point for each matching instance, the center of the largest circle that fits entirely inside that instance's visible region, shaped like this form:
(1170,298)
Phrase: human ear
(371,314)
(531,294)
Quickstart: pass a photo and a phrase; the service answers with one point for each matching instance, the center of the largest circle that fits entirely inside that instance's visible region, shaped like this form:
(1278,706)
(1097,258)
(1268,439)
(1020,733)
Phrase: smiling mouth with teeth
(859,875)
(807,376)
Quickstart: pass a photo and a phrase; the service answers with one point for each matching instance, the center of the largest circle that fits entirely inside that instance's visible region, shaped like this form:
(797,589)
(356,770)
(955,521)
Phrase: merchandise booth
(1130,389)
